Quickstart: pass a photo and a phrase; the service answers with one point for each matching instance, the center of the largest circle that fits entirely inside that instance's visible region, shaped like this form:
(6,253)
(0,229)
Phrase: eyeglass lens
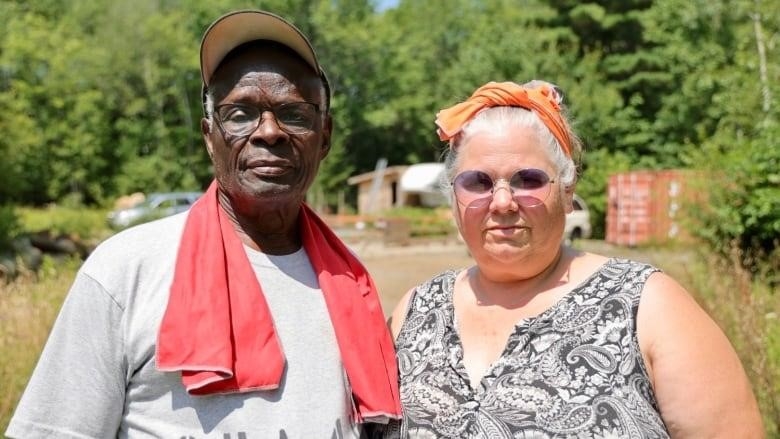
(292,117)
(529,188)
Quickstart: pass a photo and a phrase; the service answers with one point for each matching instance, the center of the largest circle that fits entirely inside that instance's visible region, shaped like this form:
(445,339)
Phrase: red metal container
(647,206)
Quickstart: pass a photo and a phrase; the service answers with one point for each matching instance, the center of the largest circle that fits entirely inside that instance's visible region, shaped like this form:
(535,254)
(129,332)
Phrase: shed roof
(389,172)
(422,177)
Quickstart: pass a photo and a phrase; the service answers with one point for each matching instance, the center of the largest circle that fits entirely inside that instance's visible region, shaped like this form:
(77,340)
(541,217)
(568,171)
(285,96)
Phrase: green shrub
(743,207)
(592,186)
(424,221)
(81,222)
(9,226)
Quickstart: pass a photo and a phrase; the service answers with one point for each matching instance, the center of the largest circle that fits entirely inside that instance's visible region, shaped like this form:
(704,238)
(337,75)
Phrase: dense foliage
(100,98)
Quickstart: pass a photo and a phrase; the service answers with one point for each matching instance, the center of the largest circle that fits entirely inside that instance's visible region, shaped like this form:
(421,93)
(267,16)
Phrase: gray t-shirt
(96,377)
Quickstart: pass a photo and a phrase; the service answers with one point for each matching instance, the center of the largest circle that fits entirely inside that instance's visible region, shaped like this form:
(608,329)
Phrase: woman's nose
(503,200)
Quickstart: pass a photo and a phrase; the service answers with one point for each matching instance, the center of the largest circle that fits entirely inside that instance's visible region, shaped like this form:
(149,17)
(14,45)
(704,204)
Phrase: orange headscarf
(541,99)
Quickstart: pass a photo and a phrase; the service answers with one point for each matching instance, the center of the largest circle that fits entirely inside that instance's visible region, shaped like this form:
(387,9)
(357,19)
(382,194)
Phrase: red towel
(219,333)
(541,99)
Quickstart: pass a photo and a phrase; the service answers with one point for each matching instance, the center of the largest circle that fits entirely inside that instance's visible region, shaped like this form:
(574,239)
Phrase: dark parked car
(156,205)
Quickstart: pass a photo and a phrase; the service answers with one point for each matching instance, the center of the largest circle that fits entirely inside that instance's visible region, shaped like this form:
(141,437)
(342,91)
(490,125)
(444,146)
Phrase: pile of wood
(27,252)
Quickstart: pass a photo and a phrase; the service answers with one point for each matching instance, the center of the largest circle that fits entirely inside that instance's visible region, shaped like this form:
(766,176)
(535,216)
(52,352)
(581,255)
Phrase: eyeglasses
(529,188)
(292,117)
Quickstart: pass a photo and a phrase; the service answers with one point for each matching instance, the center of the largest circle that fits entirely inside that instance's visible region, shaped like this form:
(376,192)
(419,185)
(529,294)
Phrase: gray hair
(497,119)
(208,108)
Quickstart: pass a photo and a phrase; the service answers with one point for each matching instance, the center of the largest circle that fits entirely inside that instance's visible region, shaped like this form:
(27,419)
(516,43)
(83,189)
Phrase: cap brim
(236,28)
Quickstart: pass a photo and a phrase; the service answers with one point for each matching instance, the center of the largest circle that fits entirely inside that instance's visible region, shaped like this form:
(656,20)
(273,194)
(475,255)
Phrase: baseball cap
(235,28)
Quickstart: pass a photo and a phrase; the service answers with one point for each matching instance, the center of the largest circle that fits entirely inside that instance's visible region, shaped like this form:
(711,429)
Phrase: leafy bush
(743,208)
(9,226)
(592,186)
(84,223)
(424,221)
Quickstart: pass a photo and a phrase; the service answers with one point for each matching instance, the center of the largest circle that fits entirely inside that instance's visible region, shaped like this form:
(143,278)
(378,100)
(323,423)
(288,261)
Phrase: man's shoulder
(142,244)
(157,232)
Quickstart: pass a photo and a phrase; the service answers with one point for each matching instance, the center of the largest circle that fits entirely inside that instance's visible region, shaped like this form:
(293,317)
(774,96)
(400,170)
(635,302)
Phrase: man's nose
(268,129)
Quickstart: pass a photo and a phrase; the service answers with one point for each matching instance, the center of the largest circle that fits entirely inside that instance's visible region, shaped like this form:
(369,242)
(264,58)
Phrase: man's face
(269,167)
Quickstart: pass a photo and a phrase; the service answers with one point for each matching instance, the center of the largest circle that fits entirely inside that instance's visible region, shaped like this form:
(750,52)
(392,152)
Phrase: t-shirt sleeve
(77,389)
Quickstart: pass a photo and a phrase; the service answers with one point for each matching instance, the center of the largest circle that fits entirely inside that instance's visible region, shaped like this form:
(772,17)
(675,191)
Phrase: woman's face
(504,235)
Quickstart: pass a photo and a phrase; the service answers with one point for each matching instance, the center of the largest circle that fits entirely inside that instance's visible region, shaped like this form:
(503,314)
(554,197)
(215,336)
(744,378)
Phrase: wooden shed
(378,190)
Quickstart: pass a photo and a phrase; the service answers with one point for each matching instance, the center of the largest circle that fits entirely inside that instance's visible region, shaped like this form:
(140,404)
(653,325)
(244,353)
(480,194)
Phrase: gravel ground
(397,268)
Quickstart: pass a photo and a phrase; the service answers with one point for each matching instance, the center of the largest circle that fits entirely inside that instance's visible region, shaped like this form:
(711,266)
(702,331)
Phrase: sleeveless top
(574,371)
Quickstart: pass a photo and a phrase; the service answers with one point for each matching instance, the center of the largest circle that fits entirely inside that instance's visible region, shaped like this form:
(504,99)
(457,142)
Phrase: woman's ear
(568,198)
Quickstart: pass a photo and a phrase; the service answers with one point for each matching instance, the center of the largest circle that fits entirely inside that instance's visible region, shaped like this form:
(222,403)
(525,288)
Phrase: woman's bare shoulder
(398,315)
(582,265)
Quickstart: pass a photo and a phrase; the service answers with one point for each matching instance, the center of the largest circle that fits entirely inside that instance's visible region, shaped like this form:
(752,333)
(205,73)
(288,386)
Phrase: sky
(385,4)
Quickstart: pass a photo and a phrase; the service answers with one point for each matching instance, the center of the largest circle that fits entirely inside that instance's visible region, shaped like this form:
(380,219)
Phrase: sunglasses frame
(521,196)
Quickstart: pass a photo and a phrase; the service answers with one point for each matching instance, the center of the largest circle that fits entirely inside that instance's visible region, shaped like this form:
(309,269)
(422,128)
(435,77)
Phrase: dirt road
(396,268)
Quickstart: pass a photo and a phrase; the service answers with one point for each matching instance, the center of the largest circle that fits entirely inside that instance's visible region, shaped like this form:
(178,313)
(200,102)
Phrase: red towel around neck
(218,332)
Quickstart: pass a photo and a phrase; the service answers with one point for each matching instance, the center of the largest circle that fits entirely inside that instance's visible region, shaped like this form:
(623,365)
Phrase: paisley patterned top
(574,371)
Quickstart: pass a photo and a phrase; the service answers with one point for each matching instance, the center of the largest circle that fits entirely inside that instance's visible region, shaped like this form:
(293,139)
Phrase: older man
(245,317)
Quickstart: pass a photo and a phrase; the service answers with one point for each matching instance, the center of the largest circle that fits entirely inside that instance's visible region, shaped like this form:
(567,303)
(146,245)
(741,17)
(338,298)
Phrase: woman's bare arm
(396,319)
(700,384)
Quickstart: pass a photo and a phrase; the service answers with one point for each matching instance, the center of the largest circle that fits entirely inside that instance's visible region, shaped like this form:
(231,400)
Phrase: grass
(28,307)
(748,311)
(29,304)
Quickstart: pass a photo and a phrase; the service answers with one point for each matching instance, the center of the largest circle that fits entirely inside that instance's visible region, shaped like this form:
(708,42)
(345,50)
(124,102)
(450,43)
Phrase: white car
(577,222)
(155,206)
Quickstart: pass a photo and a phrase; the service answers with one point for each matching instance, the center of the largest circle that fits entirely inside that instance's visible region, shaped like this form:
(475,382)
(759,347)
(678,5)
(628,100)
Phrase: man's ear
(205,130)
(327,129)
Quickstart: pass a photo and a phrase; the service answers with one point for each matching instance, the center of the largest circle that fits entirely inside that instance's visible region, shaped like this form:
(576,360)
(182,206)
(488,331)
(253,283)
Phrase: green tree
(740,150)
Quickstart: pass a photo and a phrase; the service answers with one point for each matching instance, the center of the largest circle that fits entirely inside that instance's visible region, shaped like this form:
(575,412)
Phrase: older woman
(538,340)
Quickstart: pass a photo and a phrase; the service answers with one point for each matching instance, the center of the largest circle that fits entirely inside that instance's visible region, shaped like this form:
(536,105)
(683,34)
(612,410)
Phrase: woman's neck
(516,292)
